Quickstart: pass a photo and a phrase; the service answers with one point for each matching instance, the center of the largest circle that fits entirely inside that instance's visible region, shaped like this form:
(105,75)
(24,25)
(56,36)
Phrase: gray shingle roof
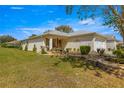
(54,32)
(110,37)
(75,33)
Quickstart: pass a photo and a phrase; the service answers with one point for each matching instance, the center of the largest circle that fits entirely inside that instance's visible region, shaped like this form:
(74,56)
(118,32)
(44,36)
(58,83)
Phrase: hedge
(119,53)
(100,51)
(8,46)
(118,60)
(43,51)
(85,50)
(26,48)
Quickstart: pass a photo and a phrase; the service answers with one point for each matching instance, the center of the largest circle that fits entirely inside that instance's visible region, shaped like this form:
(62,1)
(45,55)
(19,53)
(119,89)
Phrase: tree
(6,38)
(34,48)
(64,28)
(33,35)
(113,15)
(26,48)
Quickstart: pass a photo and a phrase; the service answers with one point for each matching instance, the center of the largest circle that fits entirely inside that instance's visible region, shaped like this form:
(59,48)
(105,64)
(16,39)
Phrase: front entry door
(57,43)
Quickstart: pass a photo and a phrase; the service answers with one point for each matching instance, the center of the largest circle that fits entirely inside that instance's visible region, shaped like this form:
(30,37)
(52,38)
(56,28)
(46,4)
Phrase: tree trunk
(123,40)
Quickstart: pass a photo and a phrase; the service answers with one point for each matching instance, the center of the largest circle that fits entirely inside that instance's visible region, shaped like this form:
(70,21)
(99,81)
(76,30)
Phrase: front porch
(55,43)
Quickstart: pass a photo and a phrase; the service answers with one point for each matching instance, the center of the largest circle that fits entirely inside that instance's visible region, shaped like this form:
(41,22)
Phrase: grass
(27,69)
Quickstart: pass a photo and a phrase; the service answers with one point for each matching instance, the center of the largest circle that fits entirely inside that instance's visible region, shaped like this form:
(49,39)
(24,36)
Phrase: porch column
(93,48)
(105,45)
(50,43)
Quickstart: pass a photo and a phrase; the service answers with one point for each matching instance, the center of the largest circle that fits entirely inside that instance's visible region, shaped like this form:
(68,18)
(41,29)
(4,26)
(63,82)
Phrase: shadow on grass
(79,63)
(82,63)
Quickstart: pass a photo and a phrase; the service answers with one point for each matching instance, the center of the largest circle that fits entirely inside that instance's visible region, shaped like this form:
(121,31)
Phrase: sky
(21,21)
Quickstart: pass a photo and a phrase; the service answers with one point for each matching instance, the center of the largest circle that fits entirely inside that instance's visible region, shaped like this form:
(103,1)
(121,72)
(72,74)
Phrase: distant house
(14,43)
(71,41)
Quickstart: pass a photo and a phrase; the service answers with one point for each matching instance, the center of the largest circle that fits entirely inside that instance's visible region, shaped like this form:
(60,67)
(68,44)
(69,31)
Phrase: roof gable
(76,33)
(73,34)
(110,37)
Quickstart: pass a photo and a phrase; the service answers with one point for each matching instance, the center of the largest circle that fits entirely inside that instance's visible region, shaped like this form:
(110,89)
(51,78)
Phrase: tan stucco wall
(37,42)
(99,43)
(77,45)
(111,44)
(74,43)
(93,41)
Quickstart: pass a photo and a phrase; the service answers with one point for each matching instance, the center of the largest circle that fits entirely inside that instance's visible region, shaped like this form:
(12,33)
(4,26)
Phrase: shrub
(34,48)
(119,53)
(85,50)
(12,46)
(3,45)
(43,51)
(9,46)
(68,50)
(26,48)
(74,49)
(119,46)
(100,51)
(118,60)
(78,50)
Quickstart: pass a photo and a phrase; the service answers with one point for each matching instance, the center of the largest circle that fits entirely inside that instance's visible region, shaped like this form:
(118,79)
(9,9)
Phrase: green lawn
(26,69)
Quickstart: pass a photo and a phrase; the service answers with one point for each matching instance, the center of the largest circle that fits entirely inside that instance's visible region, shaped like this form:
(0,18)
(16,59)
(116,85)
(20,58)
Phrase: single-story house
(72,41)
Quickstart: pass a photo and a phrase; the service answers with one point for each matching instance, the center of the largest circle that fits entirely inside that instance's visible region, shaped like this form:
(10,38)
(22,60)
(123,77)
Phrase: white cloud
(109,31)
(29,29)
(76,28)
(88,21)
(27,33)
(51,22)
(16,8)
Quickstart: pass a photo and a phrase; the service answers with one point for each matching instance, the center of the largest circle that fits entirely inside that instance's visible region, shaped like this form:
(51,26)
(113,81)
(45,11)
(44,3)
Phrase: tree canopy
(33,35)
(6,38)
(64,28)
(113,15)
